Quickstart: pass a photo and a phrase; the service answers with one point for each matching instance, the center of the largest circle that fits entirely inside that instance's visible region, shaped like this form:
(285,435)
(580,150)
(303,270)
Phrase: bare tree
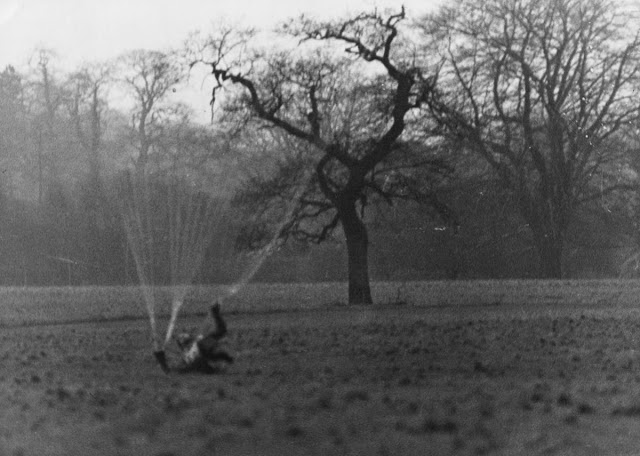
(149,76)
(14,129)
(87,103)
(47,98)
(349,112)
(540,90)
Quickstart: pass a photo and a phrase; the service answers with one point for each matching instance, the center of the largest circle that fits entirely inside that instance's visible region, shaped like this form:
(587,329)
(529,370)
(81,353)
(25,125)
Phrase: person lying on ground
(201,353)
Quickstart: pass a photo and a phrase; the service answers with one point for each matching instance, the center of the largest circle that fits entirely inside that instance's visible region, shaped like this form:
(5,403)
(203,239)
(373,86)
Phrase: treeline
(485,140)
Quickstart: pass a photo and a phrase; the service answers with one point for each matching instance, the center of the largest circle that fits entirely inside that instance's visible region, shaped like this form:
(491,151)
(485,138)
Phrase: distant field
(64,304)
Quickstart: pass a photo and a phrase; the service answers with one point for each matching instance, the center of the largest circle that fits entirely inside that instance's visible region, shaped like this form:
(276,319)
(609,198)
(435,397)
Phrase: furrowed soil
(501,378)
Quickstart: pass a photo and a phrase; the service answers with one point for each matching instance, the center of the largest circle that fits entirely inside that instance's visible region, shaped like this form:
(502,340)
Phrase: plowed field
(496,377)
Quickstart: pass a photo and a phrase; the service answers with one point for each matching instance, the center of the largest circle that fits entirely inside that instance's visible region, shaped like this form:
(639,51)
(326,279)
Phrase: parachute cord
(180,292)
(175,306)
(149,299)
(271,246)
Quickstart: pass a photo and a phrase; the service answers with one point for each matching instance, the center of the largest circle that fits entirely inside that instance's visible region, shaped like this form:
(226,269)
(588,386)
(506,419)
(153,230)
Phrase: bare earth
(386,380)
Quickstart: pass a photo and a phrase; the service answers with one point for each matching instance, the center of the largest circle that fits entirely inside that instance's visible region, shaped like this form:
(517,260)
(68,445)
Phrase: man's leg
(221,326)
(208,345)
(219,356)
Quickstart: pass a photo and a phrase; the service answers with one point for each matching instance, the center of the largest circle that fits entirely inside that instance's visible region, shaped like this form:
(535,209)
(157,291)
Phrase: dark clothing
(199,352)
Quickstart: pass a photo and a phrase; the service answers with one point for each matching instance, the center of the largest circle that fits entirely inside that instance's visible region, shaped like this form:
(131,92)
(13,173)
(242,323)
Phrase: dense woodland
(486,139)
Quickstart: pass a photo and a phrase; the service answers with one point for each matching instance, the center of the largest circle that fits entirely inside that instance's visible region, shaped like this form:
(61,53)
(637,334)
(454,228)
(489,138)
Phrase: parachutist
(199,352)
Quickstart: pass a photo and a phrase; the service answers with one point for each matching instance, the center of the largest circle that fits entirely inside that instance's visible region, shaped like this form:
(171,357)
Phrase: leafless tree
(350,113)
(87,103)
(14,131)
(47,98)
(149,77)
(541,90)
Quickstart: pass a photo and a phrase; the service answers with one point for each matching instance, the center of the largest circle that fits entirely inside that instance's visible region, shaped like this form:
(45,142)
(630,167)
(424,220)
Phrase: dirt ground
(390,380)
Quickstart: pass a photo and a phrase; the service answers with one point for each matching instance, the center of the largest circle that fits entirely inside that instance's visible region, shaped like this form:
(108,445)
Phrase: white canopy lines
(169,220)
(171,217)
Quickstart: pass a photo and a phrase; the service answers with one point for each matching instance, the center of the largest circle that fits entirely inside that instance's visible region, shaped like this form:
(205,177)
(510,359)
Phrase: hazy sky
(95,30)
(98,29)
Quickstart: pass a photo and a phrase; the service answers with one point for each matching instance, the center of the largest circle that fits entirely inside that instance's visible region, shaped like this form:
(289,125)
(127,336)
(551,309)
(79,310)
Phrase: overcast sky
(94,30)
(98,29)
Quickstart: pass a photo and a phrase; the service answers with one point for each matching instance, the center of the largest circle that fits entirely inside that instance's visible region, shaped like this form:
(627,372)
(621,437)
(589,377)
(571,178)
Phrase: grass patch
(630,410)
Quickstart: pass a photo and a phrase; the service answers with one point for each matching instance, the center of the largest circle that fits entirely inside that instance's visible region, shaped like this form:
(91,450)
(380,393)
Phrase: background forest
(493,140)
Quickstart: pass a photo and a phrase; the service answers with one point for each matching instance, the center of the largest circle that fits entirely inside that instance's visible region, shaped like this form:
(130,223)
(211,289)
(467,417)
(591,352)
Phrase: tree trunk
(358,251)
(550,253)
